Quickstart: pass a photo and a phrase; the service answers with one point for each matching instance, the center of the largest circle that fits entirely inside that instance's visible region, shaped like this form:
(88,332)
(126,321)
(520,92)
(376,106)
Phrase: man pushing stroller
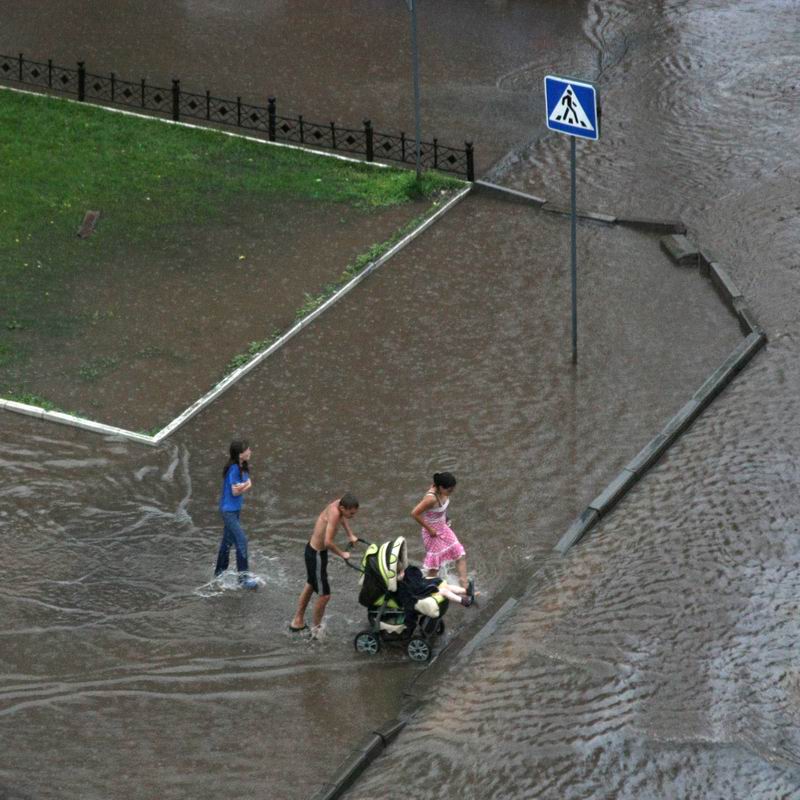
(336,513)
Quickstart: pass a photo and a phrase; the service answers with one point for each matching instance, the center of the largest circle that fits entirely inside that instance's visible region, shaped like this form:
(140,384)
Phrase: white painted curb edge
(194,126)
(229,380)
(236,375)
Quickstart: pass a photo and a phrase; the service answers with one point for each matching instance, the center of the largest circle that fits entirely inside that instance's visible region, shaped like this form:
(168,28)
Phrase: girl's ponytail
(444,480)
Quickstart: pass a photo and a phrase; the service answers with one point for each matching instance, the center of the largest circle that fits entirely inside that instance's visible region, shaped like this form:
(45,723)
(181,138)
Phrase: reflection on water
(657,658)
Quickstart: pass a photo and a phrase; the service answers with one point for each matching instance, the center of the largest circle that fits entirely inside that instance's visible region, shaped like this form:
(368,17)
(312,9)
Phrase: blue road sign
(571,107)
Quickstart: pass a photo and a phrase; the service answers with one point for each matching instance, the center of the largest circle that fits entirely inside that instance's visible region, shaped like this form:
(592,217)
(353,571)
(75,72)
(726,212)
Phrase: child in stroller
(413,586)
(402,606)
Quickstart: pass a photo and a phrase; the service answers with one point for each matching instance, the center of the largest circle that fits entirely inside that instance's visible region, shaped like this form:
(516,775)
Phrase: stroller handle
(347,560)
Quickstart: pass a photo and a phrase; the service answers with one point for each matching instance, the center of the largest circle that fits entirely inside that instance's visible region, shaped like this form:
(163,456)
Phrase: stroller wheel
(440,628)
(418,649)
(367,642)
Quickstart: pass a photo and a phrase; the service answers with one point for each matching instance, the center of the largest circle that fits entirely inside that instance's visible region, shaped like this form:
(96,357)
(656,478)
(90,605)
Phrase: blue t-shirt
(229,501)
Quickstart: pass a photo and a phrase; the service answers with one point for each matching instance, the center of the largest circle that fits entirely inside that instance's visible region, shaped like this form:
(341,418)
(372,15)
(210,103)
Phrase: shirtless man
(334,514)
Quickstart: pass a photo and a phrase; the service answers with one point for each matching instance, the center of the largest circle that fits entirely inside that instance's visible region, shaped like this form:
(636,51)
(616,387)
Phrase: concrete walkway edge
(641,223)
(236,375)
(378,740)
(363,755)
(647,457)
(685,253)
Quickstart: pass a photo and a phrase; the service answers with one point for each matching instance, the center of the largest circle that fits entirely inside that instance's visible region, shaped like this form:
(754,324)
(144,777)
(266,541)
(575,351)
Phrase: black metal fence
(182,105)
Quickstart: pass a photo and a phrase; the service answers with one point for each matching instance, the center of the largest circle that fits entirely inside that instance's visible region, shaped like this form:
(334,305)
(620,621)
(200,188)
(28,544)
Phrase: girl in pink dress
(441,544)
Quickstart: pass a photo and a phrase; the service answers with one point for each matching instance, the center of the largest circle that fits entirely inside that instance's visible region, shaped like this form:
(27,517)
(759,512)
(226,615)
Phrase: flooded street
(126,634)
(656,658)
(659,657)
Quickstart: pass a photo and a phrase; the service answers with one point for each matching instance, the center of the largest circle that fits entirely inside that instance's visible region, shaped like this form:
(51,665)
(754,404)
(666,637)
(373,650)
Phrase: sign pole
(412,6)
(571,108)
(574,259)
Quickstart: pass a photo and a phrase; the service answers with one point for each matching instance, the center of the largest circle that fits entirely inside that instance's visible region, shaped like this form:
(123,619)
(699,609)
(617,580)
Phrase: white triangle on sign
(569,111)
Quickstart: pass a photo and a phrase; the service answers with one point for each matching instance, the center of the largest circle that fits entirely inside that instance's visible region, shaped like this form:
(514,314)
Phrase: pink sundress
(445,545)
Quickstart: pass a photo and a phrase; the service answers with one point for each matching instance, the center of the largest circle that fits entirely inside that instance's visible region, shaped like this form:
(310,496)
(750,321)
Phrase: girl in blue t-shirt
(236,481)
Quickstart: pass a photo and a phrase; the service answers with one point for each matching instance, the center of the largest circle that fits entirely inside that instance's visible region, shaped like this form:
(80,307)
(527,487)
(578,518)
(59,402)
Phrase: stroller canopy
(381,565)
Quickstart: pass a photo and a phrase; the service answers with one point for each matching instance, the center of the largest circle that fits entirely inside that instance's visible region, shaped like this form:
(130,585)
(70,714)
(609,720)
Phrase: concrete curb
(640,223)
(578,529)
(747,319)
(680,250)
(652,225)
(344,777)
(592,216)
(487,629)
(647,457)
(730,293)
(75,422)
(359,759)
(229,380)
(509,194)
(683,252)
(379,739)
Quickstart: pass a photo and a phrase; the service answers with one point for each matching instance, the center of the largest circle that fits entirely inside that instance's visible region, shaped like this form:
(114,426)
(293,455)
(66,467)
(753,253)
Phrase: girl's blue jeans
(232,536)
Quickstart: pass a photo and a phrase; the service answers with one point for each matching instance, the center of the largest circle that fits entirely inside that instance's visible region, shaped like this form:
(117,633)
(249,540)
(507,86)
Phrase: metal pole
(574,261)
(412,5)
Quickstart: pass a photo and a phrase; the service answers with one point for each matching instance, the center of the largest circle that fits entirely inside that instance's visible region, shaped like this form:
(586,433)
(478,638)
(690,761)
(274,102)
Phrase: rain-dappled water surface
(114,627)
(657,658)
(134,675)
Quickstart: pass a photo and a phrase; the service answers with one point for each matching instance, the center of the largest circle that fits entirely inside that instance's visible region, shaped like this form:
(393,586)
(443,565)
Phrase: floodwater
(659,659)
(656,658)
(112,627)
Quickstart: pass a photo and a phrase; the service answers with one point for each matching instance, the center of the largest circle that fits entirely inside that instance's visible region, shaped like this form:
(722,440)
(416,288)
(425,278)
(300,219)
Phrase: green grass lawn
(59,159)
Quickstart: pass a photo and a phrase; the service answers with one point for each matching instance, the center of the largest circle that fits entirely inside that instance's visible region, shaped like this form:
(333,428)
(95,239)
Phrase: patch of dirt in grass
(153,329)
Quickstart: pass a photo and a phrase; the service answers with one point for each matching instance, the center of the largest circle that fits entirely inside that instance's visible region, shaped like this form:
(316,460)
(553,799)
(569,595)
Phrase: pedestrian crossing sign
(571,107)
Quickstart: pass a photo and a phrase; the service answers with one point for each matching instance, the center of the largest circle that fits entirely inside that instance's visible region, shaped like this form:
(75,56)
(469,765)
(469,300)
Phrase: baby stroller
(389,621)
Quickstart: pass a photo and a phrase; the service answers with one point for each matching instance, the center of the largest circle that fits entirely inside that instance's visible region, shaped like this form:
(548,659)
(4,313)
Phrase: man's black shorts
(317,570)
